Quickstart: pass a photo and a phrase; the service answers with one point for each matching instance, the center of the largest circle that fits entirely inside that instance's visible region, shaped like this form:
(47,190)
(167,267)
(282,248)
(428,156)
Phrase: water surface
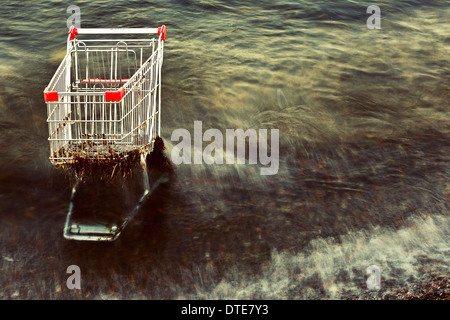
(364,153)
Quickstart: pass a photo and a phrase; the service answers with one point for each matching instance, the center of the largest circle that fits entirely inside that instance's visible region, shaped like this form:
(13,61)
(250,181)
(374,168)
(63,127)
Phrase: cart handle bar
(75,31)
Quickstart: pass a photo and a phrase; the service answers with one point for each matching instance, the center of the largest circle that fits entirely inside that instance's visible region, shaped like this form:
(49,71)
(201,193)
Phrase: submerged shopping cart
(104,108)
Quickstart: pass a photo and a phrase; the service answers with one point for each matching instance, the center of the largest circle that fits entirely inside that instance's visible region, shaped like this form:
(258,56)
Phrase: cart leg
(95,232)
(68,223)
(145,173)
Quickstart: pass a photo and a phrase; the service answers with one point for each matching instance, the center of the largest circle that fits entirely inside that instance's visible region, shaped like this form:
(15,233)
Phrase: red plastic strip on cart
(162,32)
(115,95)
(73,32)
(104,81)
(50,95)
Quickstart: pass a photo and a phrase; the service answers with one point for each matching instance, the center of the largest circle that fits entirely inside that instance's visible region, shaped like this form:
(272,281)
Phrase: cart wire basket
(104,105)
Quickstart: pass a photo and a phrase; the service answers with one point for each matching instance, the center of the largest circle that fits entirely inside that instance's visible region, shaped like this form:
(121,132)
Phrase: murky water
(364,153)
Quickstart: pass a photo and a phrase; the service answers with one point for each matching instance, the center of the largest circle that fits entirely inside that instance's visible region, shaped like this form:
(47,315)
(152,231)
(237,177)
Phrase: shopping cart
(104,107)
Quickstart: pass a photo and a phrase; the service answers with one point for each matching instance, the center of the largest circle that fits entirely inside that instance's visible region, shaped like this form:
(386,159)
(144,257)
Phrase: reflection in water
(364,155)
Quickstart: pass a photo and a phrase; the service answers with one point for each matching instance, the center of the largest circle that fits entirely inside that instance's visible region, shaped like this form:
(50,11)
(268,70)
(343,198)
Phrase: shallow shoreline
(435,288)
